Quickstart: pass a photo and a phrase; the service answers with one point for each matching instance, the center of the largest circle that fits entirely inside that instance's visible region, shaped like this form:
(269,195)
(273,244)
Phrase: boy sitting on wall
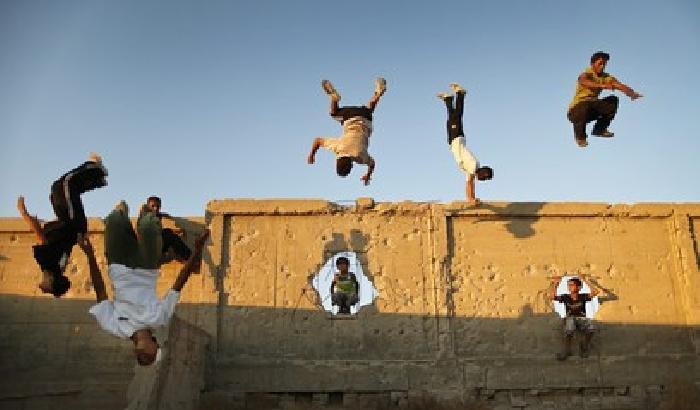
(344,288)
(575,304)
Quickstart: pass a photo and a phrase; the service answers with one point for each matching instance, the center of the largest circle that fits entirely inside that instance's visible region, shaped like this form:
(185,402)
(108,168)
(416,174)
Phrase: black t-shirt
(345,113)
(574,307)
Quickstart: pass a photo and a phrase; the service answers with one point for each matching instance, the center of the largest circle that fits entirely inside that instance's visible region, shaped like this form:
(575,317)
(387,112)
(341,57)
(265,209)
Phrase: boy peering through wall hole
(342,285)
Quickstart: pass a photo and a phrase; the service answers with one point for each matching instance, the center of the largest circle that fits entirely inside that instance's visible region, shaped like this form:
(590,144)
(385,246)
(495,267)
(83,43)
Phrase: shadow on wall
(52,349)
(357,242)
(188,231)
(519,215)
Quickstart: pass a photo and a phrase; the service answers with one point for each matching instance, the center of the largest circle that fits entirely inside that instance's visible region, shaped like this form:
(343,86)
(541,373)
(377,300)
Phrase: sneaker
(122,207)
(380,86)
(95,157)
(563,355)
(582,142)
(603,134)
(443,96)
(329,89)
(458,88)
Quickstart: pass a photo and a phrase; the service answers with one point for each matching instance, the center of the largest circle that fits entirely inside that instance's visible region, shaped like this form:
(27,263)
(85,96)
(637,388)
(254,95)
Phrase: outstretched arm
(616,85)
(32,221)
(585,81)
(191,263)
(318,143)
(95,274)
(471,191)
(370,169)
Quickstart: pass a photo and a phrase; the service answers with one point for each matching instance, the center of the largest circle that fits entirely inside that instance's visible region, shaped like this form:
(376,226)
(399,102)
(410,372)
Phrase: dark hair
(576,281)
(144,359)
(342,259)
(600,54)
(154,198)
(60,285)
(487,173)
(343,166)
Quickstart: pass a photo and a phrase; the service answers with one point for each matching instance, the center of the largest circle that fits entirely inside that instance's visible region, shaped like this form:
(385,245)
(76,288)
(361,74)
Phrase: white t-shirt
(354,142)
(466,160)
(135,305)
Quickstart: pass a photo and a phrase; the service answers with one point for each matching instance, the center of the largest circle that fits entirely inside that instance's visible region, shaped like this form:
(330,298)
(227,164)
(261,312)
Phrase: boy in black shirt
(575,304)
(55,239)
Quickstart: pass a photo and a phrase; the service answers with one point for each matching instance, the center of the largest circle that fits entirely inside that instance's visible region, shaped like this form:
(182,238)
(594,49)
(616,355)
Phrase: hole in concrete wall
(562,289)
(323,279)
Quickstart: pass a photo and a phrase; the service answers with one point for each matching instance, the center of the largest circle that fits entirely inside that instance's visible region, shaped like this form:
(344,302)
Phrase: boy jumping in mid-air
(466,161)
(55,239)
(357,128)
(575,304)
(586,107)
(133,260)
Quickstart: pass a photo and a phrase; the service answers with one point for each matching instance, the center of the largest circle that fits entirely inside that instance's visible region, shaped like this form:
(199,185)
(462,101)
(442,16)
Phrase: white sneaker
(458,88)
(122,207)
(329,89)
(380,86)
(95,157)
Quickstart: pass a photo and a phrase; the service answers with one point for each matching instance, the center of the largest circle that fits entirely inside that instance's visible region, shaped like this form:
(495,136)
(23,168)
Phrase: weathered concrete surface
(462,311)
(52,352)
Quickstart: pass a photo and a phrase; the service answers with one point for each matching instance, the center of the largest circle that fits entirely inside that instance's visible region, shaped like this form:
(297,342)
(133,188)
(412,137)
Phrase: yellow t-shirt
(590,94)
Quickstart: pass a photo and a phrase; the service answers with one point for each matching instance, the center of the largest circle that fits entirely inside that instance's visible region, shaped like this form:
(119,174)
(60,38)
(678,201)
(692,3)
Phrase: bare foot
(32,221)
(475,202)
(21,207)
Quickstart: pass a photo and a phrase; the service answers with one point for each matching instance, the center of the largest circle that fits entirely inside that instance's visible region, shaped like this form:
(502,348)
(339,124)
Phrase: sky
(194,101)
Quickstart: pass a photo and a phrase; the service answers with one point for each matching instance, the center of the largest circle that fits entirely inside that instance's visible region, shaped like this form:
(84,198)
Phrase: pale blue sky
(220,99)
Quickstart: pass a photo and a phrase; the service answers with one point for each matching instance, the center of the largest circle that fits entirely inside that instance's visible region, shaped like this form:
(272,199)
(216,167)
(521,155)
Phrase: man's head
(154,203)
(55,284)
(598,61)
(145,347)
(574,285)
(343,166)
(484,173)
(343,264)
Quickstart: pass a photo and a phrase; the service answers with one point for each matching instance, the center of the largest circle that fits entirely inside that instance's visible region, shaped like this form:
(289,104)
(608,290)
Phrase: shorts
(584,324)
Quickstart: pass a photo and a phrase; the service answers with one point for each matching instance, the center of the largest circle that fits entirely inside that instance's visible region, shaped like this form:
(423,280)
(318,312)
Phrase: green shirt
(345,284)
(590,94)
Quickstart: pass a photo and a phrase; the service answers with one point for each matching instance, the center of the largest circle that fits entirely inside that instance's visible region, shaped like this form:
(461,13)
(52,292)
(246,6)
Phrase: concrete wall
(462,311)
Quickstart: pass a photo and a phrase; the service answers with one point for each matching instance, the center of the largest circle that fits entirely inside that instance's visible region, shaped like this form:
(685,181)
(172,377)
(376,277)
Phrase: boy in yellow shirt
(586,107)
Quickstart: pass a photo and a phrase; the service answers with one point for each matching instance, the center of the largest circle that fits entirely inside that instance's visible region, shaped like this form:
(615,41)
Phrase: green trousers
(124,247)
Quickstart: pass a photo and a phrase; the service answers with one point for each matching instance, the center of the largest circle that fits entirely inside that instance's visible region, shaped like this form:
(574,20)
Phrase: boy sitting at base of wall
(575,304)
